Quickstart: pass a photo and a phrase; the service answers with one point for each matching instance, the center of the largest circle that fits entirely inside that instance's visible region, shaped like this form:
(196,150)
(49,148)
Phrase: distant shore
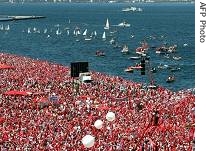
(97,1)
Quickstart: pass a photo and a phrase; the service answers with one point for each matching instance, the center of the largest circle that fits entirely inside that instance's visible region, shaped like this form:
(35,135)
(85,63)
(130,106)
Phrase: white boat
(124,24)
(132,36)
(170,79)
(185,45)
(112,41)
(68,32)
(129,70)
(104,35)
(177,57)
(95,33)
(132,9)
(1,27)
(125,49)
(107,24)
(128,9)
(58,32)
(45,30)
(29,30)
(88,39)
(85,33)
(7,28)
(78,32)
(139,9)
(135,58)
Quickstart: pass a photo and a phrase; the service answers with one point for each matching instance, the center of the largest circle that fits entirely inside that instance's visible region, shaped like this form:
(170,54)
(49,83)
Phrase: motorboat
(124,24)
(153,70)
(100,53)
(175,69)
(170,79)
(143,48)
(136,67)
(172,49)
(88,39)
(129,69)
(132,9)
(161,66)
(135,58)
(151,86)
(177,57)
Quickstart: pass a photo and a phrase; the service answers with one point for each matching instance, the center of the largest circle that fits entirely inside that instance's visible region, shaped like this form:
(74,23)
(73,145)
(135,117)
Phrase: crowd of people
(146,119)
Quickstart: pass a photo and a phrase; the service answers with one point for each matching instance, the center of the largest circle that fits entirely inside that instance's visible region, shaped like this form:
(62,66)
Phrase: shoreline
(15,18)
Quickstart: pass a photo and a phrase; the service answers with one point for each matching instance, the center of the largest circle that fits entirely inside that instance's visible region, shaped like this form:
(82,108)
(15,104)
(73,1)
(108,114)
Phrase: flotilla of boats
(141,51)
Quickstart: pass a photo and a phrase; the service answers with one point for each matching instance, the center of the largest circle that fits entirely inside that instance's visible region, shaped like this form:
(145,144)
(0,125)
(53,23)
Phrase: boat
(104,36)
(124,24)
(170,79)
(161,66)
(172,49)
(112,41)
(88,38)
(125,49)
(139,9)
(135,58)
(136,67)
(129,70)
(77,31)
(45,30)
(85,33)
(95,33)
(142,49)
(107,24)
(1,27)
(132,36)
(58,32)
(7,28)
(153,70)
(177,58)
(151,86)
(185,45)
(175,69)
(99,53)
(132,9)
(161,50)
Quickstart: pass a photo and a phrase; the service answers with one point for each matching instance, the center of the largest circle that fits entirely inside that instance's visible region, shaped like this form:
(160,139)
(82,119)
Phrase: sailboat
(107,24)
(104,36)
(29,30)
(58,32)
(125,49)
(86,36)
(85,33)
(7,28)
(1,27)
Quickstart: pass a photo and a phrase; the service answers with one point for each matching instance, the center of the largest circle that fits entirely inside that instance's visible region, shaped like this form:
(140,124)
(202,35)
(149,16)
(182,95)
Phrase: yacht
(124,24)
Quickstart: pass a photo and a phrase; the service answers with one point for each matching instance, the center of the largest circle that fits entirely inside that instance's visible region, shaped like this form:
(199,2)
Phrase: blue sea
(158,24)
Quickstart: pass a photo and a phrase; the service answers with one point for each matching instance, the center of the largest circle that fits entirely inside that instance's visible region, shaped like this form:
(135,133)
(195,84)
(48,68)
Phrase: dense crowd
(146,119)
